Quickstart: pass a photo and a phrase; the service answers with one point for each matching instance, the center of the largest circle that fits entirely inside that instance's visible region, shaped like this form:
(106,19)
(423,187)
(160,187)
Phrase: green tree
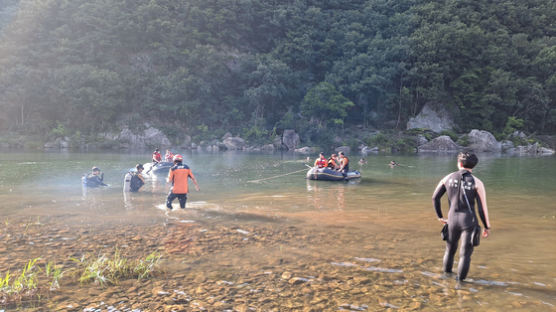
(324,106)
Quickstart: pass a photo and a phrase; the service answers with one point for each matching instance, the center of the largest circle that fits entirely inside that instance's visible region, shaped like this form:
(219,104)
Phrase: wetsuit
(92,180)
(178,176)
(461,218)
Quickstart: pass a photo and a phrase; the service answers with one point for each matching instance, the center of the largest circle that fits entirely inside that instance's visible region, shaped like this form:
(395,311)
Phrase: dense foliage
(254,67)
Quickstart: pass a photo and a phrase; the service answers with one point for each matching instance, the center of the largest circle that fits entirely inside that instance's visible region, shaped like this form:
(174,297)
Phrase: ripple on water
(383,270)
(490,283)
(367,259)
(344,264)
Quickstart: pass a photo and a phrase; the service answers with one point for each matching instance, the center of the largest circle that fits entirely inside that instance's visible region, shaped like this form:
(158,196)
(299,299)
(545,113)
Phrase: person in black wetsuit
(95,178)
(461,217)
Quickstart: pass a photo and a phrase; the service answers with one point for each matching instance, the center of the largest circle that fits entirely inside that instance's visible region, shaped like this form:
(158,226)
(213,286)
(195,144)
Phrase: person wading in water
(463,190)
(178,176)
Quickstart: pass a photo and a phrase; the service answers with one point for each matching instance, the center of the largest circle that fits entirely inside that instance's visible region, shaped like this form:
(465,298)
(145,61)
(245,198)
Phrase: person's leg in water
(183,199)
(451,248)
(170,199)
(465,251)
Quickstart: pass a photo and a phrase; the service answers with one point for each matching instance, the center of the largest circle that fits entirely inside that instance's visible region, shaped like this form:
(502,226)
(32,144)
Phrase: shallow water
(371,244)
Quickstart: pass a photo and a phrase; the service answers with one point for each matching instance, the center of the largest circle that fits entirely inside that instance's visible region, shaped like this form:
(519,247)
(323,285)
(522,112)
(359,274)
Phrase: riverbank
(196,273)
(356,140)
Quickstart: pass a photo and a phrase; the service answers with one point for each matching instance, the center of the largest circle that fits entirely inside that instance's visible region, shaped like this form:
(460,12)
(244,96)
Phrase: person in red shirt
(156,156)
(179,176)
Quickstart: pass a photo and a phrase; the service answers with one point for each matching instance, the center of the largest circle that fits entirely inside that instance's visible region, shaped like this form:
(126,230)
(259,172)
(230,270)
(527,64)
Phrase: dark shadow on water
(241,216)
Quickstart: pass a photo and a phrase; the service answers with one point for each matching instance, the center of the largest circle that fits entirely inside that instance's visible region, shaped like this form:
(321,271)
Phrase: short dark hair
(468,160)
(341,153)
(139,166)
(95,169)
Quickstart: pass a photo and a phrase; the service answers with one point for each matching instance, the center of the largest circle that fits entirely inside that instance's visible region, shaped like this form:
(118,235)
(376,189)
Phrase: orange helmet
(178,157)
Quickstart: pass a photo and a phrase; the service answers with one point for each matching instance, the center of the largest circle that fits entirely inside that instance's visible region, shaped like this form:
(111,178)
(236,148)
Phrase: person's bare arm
(483,208)
(194,181)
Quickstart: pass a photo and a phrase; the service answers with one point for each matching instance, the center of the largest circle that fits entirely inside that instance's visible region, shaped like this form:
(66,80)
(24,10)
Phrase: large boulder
(531,149)
(234,143)
(290,139)
(345,149)
(440,144)
(483,141)
(304,150)
(366,150)
(268,148)
(59,143)
(431,117)
(147,138)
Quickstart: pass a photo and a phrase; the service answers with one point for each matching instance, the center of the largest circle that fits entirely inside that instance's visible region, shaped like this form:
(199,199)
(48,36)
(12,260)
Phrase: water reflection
(325,195)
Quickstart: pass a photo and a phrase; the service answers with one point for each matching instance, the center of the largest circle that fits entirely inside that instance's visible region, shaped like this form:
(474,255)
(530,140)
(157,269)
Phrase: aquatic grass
(54,272)
(14,287)
(111,269)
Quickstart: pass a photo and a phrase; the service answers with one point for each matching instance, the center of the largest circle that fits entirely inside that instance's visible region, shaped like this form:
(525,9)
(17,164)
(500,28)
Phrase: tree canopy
(249,66)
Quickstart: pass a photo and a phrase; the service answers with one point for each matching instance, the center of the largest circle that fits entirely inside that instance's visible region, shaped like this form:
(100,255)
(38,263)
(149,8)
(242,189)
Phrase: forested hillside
(253,67)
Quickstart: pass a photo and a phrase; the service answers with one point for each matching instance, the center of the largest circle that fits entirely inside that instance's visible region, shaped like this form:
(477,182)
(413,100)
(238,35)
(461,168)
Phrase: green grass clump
(14,287)
(111,269)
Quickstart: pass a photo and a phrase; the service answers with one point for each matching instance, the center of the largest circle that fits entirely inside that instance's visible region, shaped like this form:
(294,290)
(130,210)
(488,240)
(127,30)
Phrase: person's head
(467,160)
(178,158)
(139,167)
(321,155)
(341,154)
(156,150)
(333,156)
(95,170)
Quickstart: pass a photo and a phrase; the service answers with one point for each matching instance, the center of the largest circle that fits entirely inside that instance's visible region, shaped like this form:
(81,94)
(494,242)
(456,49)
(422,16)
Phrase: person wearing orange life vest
(344,163)
(178,176)
(333,162)
(321,162)
(169,156)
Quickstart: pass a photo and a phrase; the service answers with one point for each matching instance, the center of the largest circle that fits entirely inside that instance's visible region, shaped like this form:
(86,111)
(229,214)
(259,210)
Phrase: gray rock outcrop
(268,148)
(436,119)
(366,150)
(345,149)
(147,138)
(234,143)
(440,144)
(290,139)
(304,150)
(483,141)
(59,143)
(530,149)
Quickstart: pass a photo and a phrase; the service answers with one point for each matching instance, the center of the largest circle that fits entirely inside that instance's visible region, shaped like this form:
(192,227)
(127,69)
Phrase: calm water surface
(382,227)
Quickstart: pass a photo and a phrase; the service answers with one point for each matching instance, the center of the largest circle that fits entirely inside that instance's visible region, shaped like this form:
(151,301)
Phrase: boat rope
(278,176)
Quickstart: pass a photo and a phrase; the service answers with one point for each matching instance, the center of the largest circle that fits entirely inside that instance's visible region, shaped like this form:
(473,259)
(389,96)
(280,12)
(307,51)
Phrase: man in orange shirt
(178,176)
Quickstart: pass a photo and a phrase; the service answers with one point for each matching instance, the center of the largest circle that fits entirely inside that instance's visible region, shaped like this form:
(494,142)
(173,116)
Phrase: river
(257,237)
